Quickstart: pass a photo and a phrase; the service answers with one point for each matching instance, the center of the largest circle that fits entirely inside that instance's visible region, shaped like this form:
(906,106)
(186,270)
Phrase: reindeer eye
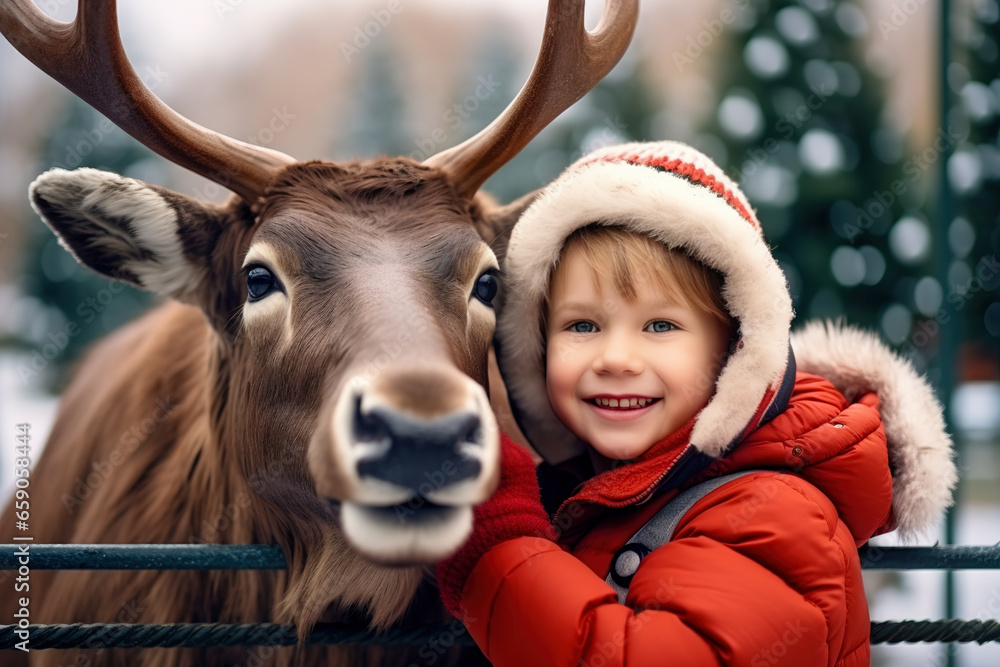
(486,288)
(259,282)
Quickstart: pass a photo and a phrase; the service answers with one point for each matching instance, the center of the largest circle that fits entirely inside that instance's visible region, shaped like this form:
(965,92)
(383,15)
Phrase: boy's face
(623,376)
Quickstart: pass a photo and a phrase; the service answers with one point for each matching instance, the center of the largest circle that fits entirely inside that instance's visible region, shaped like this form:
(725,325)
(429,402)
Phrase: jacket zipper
(637,499)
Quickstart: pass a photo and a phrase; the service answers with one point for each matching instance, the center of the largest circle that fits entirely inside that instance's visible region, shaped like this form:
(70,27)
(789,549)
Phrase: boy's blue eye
(582,327)
(660,326)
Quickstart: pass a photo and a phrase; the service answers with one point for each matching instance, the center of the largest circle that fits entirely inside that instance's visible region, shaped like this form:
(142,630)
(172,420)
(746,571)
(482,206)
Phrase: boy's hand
(514,510)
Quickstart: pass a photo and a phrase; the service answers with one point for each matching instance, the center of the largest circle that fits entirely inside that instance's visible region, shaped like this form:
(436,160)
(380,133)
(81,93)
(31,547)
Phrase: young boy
(706,499)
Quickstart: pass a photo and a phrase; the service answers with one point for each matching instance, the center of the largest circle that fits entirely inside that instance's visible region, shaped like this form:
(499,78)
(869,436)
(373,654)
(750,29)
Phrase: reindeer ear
(144,235)
(495,222)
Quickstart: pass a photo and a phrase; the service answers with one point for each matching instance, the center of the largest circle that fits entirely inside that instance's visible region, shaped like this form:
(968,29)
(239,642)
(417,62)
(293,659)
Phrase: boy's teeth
(629,403)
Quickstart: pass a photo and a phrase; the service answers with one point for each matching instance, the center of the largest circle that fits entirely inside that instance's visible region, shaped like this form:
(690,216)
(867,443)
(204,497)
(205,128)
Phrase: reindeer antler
(570,62)
(87,57)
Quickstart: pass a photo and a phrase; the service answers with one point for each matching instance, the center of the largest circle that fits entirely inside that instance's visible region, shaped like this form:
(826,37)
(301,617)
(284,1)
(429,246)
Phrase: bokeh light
(874,264)
(961,237)
(797,26)
(896,322)
(927,295)
(740,115)
(910,240)
(847,265)
(821,152)
(766,57)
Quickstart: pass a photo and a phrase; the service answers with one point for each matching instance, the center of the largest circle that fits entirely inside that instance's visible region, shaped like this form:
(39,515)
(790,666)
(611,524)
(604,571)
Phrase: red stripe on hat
(692,173)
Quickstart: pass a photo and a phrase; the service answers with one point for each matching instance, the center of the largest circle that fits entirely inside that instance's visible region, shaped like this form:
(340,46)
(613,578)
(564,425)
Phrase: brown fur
(182,428)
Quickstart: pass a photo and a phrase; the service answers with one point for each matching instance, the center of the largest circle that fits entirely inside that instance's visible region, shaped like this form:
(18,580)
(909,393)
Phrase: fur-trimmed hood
(920,450)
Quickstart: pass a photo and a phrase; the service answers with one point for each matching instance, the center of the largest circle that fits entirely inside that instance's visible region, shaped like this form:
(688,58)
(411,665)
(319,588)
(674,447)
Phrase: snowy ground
(914,595)
(20,403)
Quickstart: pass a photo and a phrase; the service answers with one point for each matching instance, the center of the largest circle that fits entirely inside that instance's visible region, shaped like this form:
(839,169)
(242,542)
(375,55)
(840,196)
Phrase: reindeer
(317,375)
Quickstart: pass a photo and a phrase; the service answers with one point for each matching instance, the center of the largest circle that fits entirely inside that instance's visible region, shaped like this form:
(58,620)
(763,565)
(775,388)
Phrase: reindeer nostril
(368,428)
(474,433)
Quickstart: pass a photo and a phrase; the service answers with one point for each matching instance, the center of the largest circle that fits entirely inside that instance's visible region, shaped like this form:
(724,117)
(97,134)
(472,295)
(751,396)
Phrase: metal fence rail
(146,557)
(270,557)
(930,558)
(172,635)
(255,556)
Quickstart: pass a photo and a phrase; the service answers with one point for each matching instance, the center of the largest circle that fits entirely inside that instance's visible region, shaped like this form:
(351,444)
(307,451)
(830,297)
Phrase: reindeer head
(352,305)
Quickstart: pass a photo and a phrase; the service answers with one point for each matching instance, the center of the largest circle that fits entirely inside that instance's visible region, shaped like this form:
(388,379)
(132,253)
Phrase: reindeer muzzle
(421,455)
(413,451)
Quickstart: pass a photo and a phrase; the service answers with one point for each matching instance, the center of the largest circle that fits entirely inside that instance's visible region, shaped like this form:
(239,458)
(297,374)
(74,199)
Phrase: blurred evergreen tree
(801,125)
(379,122)
(974,173)
(73,305)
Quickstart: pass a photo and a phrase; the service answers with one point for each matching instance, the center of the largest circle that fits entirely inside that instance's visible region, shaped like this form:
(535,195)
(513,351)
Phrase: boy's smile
(623,408)
(622,376)
(629,403)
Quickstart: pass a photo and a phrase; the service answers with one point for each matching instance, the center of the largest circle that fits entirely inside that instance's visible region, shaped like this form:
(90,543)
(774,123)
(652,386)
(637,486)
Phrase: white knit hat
(677,196)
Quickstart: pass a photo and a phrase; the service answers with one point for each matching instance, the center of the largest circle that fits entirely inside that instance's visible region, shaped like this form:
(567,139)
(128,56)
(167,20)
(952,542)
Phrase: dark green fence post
(948,344)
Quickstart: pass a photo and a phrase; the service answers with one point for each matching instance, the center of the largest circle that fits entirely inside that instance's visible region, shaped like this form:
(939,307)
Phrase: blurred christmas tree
(801,126)
(377,124)
(68,306)
(974,175)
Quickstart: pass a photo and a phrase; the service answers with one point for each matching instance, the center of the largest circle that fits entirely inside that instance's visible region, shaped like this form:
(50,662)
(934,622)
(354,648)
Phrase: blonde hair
(620,257)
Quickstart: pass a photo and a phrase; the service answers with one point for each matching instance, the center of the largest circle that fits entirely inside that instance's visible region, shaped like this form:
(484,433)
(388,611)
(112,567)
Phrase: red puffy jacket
(762,571)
